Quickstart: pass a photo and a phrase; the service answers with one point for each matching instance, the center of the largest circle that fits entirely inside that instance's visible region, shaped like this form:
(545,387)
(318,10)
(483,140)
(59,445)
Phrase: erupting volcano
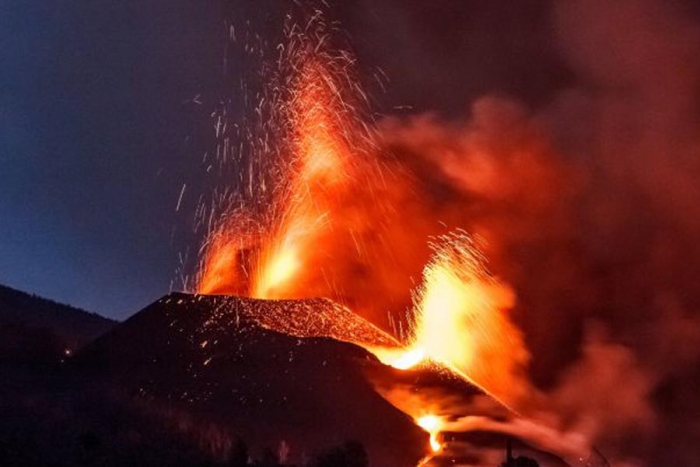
(334,229)
(372,233)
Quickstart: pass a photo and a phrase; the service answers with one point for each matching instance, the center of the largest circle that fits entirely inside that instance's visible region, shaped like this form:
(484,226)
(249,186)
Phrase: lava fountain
(461,321)
(460,316)
(319,170)
(321,141)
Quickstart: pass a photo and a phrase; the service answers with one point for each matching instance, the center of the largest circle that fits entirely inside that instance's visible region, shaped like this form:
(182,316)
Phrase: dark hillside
(213,366)
(72,326)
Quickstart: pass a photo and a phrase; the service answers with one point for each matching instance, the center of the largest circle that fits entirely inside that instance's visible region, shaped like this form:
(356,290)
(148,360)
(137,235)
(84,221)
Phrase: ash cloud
(590,206)
(587,197)
(640,99)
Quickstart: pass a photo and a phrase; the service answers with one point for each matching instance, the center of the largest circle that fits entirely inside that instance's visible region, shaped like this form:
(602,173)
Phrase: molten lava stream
(432,424)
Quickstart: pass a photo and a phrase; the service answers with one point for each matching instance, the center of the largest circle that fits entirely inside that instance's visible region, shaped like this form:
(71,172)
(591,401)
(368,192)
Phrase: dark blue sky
(93,148)
(98,134)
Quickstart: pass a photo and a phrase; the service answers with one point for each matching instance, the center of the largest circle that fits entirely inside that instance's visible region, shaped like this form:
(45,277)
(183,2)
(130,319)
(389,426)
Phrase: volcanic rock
(216,369)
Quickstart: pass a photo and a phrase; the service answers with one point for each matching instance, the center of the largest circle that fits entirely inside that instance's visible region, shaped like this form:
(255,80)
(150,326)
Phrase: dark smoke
(591,206)
(585,190)
(638,107)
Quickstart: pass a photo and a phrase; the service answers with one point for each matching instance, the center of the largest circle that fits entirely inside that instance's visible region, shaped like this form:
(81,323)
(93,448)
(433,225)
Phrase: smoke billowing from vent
(588,207)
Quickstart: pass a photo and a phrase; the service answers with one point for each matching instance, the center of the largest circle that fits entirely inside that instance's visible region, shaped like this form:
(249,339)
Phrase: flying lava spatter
(461,321)
(460,317)
(319,168)
(321,141)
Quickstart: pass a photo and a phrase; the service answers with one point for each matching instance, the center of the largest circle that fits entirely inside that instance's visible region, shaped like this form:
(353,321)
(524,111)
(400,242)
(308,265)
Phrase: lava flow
(432,424)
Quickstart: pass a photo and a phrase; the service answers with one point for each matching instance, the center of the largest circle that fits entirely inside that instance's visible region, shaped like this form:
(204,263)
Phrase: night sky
(98,131)
(93,137)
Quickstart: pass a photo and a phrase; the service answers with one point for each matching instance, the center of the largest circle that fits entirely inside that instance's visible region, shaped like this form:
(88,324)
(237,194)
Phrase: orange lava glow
(462,321)
(220,264)
(432,424)
(460,312)
(408,359)
(319,168)
(317,164)
(278,270)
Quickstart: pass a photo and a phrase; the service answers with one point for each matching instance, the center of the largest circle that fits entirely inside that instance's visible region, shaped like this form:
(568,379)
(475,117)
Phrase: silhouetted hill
(201,380)
(217,368)
(183,381)
(73,326)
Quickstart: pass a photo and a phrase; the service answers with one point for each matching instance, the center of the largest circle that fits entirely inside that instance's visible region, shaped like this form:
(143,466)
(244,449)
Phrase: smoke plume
(588,207)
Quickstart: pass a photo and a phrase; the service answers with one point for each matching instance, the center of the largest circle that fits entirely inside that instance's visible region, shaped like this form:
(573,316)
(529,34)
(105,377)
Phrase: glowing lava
(460,313)
(432,424)
(408,359)
(318,172)
(317,118)
(279,269)
(461,322)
